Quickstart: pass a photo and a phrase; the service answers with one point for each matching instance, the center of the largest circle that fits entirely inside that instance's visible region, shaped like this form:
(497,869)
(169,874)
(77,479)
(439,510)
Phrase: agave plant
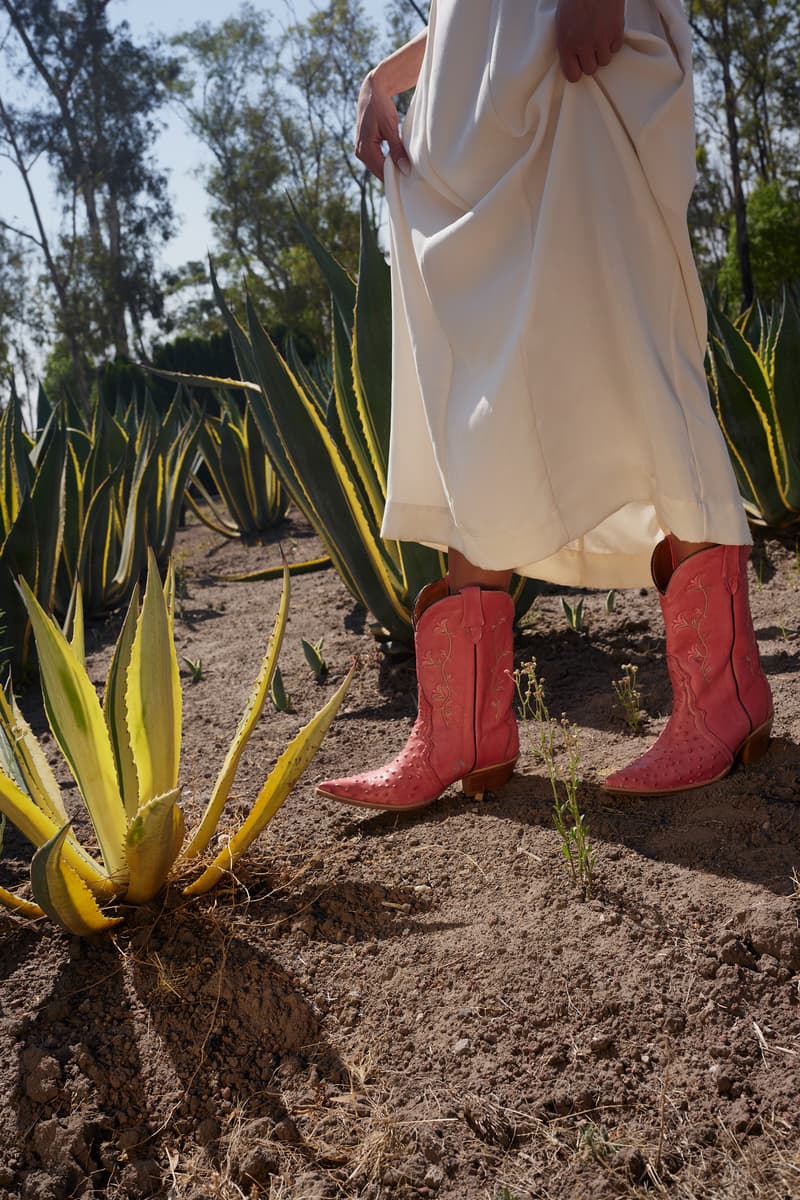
(231,447)
(753,366)
(330,446)
(79,504)
(124,754)
(125,486)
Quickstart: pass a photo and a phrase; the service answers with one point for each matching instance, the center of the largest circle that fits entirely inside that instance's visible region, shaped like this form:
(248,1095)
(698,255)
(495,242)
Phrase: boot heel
(756,746)
(488,779)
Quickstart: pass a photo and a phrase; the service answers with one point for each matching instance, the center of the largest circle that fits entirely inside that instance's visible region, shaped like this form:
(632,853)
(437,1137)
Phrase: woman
(550,409)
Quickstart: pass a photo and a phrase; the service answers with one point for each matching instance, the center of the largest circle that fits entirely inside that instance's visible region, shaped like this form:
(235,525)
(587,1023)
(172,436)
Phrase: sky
(176,151)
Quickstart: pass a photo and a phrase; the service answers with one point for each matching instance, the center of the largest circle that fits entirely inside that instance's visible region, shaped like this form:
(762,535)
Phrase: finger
(397,153)
(588,60)
(371,155)
(571,67)
(604,56)
(617,44)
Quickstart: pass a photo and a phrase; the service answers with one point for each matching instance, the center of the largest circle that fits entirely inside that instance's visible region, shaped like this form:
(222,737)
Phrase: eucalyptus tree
(83,96)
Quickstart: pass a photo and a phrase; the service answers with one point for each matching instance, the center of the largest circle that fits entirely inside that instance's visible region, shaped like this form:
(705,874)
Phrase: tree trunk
(737,186)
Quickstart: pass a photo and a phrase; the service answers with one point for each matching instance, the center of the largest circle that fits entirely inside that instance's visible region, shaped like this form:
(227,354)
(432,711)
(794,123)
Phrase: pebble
(461,1046)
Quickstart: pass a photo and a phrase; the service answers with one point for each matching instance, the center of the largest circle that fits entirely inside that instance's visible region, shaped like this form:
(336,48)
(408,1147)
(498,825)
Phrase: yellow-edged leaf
(76,720)
(77,634)
(39,828)
(153,694)
(61,892)
(154,840)
(284,775)
(18,905)
(31,762)
(252,712)
(115,711)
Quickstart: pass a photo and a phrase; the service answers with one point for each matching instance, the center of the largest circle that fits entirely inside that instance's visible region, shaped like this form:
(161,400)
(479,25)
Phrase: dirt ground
(427,1007)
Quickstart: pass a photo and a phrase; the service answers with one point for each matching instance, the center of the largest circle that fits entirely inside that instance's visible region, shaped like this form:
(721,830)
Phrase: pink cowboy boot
(465,727)
(722,711)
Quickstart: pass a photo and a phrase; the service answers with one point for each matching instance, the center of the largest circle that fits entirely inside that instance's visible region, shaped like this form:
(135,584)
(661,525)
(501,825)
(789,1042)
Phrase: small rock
(142,1177)
(675,1022)
(724,1084)
(461,1046)
(43,1078)
(129,1138)
(601,1043)
(208,1131)
(287,1132)
(258,1166)
(734,953)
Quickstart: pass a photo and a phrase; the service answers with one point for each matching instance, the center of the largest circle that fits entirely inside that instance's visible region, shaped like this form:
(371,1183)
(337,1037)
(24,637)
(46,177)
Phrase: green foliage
(753,367)
(278,694)
(773,223)
(312,652)
(82,501)
(329,443)
(234,457)
(574,615)
(86,105)
(275,111)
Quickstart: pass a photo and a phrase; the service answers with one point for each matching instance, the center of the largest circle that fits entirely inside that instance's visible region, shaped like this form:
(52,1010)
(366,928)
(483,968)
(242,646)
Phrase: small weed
(552,740)
(195,666)
(505,1193)
(629,696)
(278,694)
(594,1142)
(574,615)
(611,601)
(313,653)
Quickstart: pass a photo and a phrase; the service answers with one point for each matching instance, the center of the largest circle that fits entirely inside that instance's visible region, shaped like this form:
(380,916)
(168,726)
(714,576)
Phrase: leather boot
(722,711)
(465,727)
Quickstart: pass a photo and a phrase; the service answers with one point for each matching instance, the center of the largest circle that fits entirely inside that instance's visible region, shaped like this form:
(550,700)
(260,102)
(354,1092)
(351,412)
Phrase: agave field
(216,983)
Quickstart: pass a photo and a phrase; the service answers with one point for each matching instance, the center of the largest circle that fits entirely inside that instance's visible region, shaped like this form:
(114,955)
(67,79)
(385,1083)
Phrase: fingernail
(405,166)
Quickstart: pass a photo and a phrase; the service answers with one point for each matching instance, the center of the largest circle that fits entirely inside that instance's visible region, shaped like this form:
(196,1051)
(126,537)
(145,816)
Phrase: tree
(774,229)
(275,109)
(746,58)
(91,99)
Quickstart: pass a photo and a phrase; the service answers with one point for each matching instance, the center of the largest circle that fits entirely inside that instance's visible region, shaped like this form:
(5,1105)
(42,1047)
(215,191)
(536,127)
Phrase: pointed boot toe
(465,727)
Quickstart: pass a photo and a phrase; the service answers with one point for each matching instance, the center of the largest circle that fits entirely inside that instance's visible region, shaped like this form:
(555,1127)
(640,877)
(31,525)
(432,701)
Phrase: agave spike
(288,769)
(252,712)
(62,894)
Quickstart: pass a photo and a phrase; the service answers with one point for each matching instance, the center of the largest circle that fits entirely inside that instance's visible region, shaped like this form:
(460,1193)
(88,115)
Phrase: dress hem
(569,563)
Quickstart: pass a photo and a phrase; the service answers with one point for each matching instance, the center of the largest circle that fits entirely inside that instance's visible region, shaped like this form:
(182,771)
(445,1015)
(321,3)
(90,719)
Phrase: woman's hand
(376,123)
(588,34)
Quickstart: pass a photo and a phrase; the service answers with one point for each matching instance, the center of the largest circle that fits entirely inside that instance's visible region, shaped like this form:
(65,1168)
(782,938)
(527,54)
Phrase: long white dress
(550,409)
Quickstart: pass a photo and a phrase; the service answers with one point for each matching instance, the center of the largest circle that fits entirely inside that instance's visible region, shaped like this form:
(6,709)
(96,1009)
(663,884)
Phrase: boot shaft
(711,643)
(465,661)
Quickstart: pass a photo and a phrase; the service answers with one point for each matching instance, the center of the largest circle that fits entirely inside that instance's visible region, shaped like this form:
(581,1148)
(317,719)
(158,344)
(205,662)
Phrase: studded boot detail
(722,710)
(465,727)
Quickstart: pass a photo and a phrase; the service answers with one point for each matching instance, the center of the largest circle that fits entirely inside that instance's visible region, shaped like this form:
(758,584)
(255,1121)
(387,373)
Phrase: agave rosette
(124,755)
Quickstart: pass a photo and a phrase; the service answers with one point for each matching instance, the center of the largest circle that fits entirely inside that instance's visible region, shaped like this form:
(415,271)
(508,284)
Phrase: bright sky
(177,150)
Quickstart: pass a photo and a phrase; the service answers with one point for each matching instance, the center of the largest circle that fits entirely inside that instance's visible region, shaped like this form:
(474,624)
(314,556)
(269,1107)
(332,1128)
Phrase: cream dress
(550,410)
